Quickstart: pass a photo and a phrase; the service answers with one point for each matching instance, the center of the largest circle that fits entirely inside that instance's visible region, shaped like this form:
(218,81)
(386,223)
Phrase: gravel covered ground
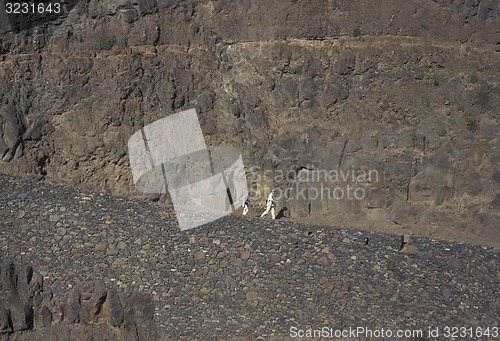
(247,277)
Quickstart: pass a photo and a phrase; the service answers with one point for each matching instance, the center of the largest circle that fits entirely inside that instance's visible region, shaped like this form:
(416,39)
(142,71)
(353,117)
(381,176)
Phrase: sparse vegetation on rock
(107,43)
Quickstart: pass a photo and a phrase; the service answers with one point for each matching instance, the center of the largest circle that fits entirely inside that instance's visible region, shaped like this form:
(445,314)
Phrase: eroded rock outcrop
(25,306)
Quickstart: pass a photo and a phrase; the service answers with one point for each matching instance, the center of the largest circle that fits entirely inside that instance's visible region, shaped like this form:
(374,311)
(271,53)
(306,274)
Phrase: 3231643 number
(32,8)
(464,332)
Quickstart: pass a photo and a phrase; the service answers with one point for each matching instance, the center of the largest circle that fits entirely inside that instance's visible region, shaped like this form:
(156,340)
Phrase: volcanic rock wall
(316,90)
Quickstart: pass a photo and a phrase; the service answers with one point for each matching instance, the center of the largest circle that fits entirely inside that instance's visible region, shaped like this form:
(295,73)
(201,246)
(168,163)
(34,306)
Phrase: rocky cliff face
(394,104)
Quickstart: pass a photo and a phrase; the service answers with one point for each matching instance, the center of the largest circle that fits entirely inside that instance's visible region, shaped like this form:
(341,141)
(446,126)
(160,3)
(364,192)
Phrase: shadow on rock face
(283,213)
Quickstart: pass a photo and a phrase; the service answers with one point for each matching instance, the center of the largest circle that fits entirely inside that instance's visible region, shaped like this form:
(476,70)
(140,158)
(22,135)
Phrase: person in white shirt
(270,205)
(245,204)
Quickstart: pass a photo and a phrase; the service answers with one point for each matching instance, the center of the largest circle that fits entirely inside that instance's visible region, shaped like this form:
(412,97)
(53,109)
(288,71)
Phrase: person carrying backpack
(245,204)
(270,205)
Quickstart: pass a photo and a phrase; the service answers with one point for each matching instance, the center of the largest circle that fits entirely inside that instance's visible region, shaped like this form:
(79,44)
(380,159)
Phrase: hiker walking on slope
(270,205)
(245,204)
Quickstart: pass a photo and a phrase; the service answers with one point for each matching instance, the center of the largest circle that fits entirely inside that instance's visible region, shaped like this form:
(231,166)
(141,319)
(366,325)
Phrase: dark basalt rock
(24,306)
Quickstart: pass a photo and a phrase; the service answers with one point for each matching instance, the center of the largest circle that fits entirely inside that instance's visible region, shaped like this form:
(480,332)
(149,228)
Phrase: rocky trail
(246,277)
